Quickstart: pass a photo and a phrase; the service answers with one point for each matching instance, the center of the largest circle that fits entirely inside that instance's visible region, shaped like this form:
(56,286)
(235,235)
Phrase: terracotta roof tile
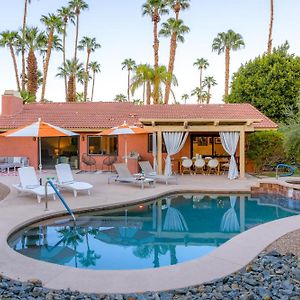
(94,115)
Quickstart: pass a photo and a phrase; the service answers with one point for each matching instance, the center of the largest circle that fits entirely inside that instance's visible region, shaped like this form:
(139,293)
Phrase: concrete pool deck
(230,257)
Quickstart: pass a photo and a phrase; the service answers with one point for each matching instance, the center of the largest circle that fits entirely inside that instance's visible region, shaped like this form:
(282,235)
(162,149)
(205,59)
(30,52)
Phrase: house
(202,121)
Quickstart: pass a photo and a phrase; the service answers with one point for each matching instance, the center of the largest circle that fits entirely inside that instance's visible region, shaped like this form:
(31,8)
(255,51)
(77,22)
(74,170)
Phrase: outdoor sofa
(13,162)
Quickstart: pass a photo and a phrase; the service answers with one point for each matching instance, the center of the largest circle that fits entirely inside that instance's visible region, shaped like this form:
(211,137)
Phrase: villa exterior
(203,122)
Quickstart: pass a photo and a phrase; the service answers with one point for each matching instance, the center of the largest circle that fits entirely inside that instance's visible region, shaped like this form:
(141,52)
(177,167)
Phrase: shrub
(291,143)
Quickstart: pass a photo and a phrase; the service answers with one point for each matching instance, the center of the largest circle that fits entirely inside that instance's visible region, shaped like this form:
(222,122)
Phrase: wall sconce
(34,138)
(83,138)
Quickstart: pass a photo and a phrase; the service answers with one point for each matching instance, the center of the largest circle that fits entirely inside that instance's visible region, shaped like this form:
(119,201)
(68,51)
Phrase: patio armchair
(65,180)
(149,172)
(199,166)
(213,166)
(29,183)
(124,176)
(186,166)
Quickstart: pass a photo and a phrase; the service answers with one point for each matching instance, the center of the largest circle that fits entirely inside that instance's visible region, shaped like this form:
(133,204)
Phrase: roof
(99,115)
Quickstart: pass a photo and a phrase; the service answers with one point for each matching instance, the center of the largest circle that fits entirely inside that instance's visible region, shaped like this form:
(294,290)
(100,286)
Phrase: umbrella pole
(126,158)
(40,159)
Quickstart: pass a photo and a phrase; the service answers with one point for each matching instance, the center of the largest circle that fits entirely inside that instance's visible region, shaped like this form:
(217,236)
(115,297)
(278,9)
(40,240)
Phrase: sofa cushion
(17,159)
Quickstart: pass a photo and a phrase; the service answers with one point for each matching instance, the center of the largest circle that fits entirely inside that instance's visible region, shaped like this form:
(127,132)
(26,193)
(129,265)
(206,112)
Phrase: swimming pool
(167,231)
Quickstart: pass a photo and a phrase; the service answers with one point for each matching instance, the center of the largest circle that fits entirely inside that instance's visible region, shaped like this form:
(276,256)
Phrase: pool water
(168,231)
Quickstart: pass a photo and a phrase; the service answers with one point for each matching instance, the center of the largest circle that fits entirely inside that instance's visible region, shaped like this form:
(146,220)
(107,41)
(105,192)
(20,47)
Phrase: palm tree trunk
(128,86)
(271,27)
(227,62)
(94,75)
(173,46)
(200,87)
(156,58)
(71,93)
(23,47)
(208,94)
(144,90)
(148,92)
(15,66)
(75,54)
(46,64)
(64,60)
(32,84)
(86,78)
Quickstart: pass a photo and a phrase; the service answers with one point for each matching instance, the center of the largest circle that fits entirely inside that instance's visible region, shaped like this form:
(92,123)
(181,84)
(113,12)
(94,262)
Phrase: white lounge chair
(124,175)
(149,172)
(29,183)
(65,180)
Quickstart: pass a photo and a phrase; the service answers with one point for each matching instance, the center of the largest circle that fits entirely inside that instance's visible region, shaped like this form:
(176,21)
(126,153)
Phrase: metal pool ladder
(61,198)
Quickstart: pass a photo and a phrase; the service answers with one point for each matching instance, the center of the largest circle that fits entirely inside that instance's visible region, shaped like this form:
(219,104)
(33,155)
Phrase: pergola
(202,125)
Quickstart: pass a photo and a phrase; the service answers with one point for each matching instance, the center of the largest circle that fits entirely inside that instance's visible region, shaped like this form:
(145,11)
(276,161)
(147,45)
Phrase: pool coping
(226,259)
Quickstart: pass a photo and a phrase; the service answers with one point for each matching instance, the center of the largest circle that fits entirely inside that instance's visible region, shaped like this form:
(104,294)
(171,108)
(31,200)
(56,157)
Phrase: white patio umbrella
(123,129)
(38,130)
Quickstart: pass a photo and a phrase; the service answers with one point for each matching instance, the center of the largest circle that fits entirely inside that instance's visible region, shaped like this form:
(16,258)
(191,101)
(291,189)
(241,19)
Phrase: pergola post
(159,152)
(242,153)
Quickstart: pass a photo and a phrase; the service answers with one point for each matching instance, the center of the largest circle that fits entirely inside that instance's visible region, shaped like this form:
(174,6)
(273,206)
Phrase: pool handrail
(291,168)
(61,198)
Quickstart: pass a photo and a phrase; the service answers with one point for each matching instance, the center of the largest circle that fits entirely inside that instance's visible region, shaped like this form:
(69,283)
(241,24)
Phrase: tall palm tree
(226,42)
(77,6)
(67,14)
(185,97)
(209,81)
(175,29)
(53,23)
(129,64)
(197,92)
(120,98)
(26,2)
(96,68)
(35,40)
(10,39)
(270,40)
(201,64)
(66,70)
(178,5)
(154,9)
(90,45)
(143,77)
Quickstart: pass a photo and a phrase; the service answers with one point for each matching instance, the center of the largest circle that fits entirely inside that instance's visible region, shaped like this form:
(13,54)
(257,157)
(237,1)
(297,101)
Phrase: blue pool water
(168,231)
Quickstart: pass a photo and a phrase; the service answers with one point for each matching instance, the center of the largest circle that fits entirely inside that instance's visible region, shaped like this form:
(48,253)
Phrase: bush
(265,148)
(291,143)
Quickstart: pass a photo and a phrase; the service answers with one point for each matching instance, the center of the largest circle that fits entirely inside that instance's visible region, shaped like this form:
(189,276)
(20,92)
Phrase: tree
(291,142)
(26,2)
(35,40)
(120,98)
(77,6)
(201,64)
(198,93)
(185,97)
(96,68)
(154,9)
(175,29)
(226,42)
(10,39)
(53,23)
(209,81)
(67,14)
(90,45)
(129,64)
(66,70)
(271,83)
(270,40)
(178,5)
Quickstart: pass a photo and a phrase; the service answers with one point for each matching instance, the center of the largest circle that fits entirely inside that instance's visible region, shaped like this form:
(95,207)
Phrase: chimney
(11,104)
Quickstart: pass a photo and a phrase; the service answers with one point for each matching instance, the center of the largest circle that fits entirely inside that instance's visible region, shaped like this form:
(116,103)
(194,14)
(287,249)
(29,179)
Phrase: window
(103,145)
(150,144)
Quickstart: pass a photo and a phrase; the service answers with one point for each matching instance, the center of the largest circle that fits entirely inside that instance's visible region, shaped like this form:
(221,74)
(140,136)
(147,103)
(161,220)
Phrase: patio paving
(233,255)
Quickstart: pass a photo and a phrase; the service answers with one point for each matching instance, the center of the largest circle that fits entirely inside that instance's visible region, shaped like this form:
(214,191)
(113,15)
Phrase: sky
(122,31)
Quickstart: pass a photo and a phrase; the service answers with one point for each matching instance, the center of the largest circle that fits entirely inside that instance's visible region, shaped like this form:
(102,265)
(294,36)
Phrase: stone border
(226,259)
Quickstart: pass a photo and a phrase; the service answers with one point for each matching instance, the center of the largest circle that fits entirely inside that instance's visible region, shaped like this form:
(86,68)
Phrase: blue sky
(123,32)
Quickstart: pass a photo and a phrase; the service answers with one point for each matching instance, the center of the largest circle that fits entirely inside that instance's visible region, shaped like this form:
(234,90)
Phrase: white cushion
(17,160)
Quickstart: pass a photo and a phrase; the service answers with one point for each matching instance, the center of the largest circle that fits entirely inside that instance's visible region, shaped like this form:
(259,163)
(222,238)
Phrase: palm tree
(67,14)
(226,42)
(66,70)
(26,2)
(120,98)
(175,29)
(143,77)
(34,40)
(185,97)
(10,39)
(209,81)
(270,40)
(196,92)
(154,9)
(53,23)
(202,64)
(77,6)
(129,64)
(90,45)
(96,68)
(178,5)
